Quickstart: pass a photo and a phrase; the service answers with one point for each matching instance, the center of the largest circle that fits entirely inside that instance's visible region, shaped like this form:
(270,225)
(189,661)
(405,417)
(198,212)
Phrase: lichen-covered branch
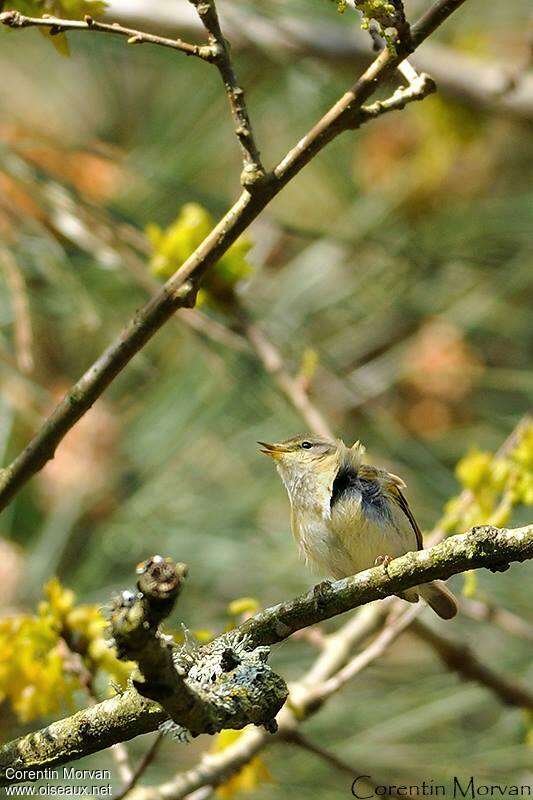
(231,684)
(205,690)
(14,19)
(181,289)
(95,728)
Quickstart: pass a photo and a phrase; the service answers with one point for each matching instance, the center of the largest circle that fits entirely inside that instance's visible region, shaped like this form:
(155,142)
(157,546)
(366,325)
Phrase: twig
(466,498)
(141,768)
(375,650)
(120,755)
(297,738)
(273,363)
(253,170)
(208,703)
(418,88)
(21,313)
(180,290)
(505,88)
(459,658)
(14,19)
(485,611)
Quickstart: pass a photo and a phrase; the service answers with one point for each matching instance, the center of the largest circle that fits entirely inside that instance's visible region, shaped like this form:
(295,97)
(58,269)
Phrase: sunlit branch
(55,25)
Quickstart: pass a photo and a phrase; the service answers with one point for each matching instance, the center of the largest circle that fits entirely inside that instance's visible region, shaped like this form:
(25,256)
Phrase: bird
(348,515)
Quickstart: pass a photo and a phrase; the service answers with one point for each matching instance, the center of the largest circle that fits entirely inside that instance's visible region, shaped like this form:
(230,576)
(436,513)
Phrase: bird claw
(383,561)
(321,591)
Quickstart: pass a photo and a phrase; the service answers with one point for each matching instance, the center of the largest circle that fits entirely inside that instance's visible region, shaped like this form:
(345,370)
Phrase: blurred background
(394,277)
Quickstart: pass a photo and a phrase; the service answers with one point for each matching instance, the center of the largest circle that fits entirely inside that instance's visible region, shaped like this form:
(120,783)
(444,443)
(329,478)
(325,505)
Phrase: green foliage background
(401,256)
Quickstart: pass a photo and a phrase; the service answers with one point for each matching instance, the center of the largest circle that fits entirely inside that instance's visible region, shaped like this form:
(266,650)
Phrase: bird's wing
(395,486)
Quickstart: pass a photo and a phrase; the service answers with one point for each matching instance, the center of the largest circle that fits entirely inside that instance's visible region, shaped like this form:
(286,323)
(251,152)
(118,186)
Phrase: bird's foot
(320,592)
(383,561)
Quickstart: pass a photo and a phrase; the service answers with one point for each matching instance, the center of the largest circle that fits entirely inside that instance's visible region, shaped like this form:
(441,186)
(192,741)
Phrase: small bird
(347,515)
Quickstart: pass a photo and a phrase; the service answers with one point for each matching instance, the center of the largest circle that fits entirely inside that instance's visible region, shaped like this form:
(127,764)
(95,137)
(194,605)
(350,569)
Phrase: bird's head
(302,456)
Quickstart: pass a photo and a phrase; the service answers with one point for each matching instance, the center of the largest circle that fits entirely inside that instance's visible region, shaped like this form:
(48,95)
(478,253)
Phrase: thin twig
(180,290)
(14,19)
(120,755)
(273,363)
(297,738)
(141,768)
(485,611)
(21,311)
(459,658)
(367,656)
(500,87)
(467,497)
(418,88)
(253,170)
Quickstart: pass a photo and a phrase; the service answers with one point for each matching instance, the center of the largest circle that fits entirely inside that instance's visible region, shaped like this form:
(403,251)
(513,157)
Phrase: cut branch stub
(202,690)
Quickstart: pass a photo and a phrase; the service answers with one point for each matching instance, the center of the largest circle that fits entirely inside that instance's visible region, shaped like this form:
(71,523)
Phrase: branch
(478,82)
(180,290)
(23,333)
(296,737)
(216,768)
(141,768)
(231,700)
(273,363)
(481,547)
(253,170)
(317,695)
(460,658)
(417,88)
(14,19)
(485,611)
(219,687)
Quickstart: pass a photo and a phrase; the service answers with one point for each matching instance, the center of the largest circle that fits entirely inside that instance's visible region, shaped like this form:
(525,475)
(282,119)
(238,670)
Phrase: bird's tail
(439,597)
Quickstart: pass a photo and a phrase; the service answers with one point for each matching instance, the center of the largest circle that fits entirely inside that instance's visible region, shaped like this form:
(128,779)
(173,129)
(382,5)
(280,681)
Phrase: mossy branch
(227,679)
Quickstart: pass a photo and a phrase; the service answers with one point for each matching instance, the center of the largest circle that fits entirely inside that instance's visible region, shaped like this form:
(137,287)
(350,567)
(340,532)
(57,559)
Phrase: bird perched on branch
(347,515)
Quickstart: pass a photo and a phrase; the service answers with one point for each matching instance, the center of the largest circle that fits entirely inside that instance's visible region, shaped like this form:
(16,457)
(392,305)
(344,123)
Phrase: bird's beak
(274,450)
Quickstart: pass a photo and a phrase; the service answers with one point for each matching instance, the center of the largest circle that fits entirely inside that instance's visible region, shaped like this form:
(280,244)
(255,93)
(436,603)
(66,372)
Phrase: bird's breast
(318,542)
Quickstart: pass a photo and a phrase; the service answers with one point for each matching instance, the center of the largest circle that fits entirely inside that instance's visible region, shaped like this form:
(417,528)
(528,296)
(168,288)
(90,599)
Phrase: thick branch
(14,19)
(180,290)
(95,728)
(91,730)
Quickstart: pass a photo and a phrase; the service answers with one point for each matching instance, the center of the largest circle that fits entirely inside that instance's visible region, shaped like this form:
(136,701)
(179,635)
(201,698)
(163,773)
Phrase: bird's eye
(306,445)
